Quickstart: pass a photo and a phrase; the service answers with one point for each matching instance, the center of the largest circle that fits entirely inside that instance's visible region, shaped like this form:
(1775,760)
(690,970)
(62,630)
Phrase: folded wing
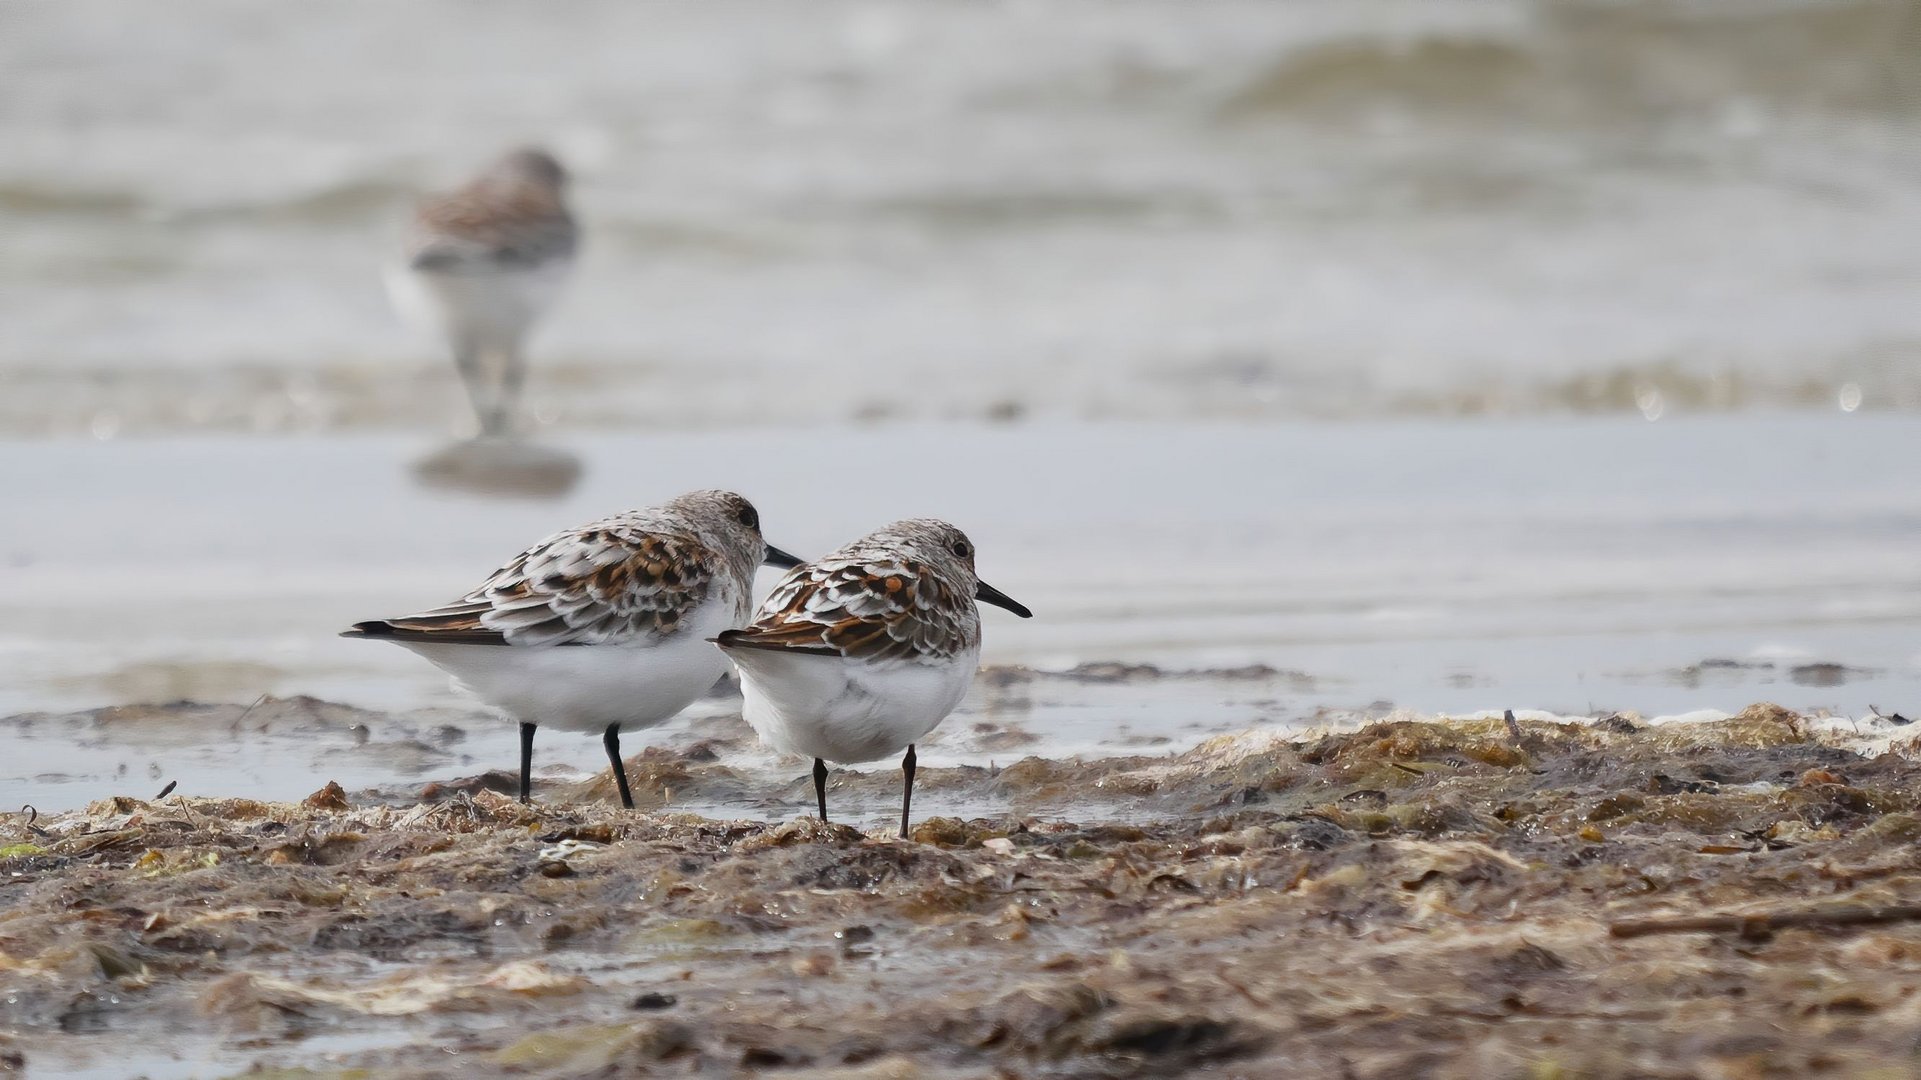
(465,233)
(594,586)
(872,610)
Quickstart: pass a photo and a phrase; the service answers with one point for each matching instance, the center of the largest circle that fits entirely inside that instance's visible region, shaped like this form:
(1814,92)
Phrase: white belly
(587,687)
(847,711)
(492,311)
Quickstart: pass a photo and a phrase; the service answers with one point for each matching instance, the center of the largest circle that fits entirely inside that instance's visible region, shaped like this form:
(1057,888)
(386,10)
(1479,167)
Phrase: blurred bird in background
(482,265)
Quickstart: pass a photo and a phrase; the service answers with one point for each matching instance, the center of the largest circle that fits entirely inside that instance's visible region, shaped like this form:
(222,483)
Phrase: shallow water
(951,210)
(1575,566)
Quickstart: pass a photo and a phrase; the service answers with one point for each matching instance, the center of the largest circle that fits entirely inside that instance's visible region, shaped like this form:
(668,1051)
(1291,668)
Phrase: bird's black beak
(987,594)
(777,558)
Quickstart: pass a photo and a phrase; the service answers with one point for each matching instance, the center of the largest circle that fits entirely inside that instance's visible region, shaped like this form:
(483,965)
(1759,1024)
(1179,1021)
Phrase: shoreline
(709,762)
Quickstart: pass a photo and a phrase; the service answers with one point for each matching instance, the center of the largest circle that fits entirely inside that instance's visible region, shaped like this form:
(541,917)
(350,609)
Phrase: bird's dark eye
(962,549)
(749,516)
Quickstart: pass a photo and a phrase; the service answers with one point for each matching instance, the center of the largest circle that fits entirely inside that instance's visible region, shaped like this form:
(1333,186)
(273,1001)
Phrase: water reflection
(500,466)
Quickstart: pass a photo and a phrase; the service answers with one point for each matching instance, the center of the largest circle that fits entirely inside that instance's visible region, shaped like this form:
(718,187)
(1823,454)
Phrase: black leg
(526,762)
(467,359)
(907,793)
(513,376)
(820,786)
(612,739)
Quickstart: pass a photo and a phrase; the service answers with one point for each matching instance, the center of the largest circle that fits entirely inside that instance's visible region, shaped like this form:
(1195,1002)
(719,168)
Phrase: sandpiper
(482,265)
(602,627)
(863,652)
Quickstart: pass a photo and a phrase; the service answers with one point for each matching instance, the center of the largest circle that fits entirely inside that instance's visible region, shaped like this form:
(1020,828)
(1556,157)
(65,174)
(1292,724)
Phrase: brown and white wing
(868,609)
(592,586)
(468,233)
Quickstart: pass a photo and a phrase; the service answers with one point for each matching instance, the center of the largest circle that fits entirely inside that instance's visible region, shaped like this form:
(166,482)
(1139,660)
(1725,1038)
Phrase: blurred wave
(864,211)
(1600,63)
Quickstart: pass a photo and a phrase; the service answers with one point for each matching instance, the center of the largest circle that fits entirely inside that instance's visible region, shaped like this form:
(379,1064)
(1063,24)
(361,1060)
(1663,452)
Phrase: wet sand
(1553,563)
(1414,898)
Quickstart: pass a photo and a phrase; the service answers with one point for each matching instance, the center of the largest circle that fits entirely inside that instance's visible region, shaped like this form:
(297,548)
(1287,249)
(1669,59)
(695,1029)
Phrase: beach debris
(330,797)
(556,859)
(1414,911)
(1761,926)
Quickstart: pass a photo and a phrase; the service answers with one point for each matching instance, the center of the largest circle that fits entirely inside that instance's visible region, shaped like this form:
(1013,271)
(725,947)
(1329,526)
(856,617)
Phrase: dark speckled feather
(883,597)
(631,577)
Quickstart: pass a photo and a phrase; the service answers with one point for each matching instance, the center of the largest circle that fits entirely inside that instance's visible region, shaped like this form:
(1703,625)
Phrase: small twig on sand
(1762,926)
(1250,995)
(33,815)
(244,713)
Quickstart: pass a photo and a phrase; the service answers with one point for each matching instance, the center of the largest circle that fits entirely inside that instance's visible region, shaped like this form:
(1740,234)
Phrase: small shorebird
(482,265)
(602,627)
(860,653)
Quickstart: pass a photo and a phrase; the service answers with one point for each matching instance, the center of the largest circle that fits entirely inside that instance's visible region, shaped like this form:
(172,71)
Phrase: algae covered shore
(1415,898)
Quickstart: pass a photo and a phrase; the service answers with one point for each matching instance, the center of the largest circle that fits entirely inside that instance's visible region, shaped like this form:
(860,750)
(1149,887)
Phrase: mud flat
(1412,899)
